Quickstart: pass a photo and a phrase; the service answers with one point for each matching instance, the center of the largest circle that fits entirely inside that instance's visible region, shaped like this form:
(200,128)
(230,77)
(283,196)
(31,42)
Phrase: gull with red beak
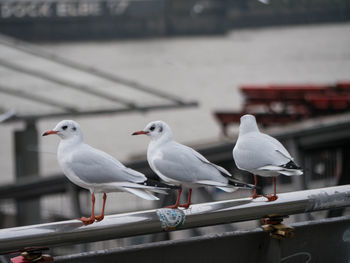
(97,171)
(180,165)
(261,154)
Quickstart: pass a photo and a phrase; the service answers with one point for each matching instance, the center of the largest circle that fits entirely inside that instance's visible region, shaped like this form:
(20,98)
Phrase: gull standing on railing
(180,165)
(97,171)
(261,154)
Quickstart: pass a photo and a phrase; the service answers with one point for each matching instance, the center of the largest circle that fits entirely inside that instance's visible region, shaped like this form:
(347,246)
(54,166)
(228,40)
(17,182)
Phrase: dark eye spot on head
(160,128)
(74,128)
(152,128)
(64,127)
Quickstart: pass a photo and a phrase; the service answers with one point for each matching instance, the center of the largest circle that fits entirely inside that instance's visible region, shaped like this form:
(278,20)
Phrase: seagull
(96,170)
(182,166)
(261,154)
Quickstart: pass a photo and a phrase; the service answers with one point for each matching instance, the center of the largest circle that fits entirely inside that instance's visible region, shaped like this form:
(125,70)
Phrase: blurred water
(208,69)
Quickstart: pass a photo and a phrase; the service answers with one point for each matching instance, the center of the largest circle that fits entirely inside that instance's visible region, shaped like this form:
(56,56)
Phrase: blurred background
(115,65)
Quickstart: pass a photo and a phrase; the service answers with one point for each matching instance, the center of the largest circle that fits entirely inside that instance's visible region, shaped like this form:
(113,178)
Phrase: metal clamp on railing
(153,221)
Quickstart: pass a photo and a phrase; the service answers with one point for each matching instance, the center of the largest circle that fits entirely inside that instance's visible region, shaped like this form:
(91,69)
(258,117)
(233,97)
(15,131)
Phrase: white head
(248,124)
(67,129)
(157,130)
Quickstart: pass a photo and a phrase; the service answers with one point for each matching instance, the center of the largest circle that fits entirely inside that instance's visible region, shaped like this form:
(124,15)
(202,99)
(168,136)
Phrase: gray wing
(94,166)
(183,164)
(205,160)
(255,150)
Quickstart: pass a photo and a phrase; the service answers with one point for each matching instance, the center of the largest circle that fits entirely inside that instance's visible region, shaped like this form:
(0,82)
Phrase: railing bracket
(273,224)
(32,254)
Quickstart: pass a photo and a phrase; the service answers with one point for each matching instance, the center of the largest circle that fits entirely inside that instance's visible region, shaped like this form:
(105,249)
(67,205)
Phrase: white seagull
(180,165)
(97,171)
(261,154)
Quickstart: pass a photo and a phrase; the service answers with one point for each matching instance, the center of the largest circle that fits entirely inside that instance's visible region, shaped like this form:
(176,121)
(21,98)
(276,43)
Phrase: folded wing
(96,167)
(183,164)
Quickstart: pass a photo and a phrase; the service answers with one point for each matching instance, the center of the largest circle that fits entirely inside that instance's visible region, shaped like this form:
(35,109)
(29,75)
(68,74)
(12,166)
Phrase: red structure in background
(280,104)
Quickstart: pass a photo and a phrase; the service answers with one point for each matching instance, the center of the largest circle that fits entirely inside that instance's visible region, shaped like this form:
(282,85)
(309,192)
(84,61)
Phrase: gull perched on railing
(97,171)
(180,165)
(261,154)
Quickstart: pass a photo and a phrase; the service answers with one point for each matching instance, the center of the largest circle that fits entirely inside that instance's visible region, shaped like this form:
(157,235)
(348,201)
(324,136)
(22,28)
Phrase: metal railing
(158,220)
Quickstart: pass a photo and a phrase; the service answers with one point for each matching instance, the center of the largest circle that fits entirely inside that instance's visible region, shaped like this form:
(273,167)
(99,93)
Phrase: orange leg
(176,205)
(187,205)
(255,195)
(91,219)
(102,215)
(274,196)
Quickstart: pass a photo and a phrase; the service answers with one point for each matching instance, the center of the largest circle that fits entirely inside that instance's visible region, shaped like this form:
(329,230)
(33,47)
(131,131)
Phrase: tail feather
(141,193)
(231,184)
(283,169)
(291,172)
(227,189)
(158,185)
(238,184)
(235,182)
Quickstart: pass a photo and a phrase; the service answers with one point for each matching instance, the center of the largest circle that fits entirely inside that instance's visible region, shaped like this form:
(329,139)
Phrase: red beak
(139,132)
(49,132)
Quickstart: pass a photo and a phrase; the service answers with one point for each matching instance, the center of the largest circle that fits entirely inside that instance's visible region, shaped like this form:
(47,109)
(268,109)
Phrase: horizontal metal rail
(34,187)
(158,220)
(126,105)
(89,113)
(42,53)
(36,98)
(67,83)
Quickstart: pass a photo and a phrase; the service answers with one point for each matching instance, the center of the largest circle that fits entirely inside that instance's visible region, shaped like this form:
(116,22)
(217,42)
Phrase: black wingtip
(155,183)
(291,165)
(243,185)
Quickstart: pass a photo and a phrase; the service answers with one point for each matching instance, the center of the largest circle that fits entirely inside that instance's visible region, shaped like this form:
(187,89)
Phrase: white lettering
(95,9)
(78,9)
(44,10)
(61,9)
(83,9)
(32,10)
(117,8)
(24,9)
(5,11)
(19,10)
